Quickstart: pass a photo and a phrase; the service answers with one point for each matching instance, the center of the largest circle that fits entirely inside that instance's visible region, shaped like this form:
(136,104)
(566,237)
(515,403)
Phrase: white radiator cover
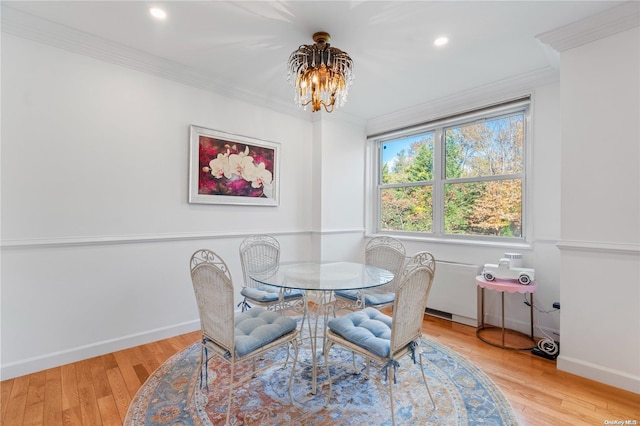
(453,293)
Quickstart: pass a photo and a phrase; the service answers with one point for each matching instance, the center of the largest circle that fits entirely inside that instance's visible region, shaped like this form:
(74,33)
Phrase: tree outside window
(462,179)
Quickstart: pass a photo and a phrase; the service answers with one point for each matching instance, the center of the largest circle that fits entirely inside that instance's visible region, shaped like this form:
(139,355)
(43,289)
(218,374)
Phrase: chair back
(387,253)
(213,288)
(411,300)
(258,254)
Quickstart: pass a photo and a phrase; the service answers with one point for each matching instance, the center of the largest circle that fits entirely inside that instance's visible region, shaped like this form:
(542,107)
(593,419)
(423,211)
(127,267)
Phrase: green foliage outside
(488,149)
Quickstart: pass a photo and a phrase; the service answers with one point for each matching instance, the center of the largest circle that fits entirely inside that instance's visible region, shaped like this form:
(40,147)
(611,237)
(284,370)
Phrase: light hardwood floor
(97,391)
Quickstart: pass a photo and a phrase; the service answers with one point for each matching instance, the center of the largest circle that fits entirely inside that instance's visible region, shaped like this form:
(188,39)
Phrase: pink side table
(485,331)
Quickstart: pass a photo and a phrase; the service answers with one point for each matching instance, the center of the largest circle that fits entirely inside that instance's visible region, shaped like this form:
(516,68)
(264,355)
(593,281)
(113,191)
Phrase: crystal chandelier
(321,74)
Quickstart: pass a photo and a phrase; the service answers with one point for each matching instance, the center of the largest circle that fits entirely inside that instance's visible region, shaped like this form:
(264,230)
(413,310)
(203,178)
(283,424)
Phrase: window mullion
(438,182)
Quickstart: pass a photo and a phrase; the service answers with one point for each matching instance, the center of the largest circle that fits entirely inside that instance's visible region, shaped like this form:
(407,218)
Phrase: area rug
(463,394)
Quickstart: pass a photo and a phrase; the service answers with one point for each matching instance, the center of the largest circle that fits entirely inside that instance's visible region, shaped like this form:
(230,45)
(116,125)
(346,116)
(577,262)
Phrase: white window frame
(373,152)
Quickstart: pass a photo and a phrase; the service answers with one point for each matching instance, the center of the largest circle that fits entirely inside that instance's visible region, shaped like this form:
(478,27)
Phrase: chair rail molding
(600,246)
(54,242)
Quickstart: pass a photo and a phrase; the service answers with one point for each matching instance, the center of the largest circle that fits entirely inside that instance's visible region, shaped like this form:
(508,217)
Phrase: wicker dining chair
(386,253)
(234,338)
(384,339)
(261,254)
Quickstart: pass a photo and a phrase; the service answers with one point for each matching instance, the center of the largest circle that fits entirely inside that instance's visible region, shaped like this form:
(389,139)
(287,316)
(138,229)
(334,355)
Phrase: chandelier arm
(332,105)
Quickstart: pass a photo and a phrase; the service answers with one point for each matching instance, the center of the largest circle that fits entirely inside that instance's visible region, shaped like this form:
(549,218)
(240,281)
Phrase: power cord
(547,345)
(526,302)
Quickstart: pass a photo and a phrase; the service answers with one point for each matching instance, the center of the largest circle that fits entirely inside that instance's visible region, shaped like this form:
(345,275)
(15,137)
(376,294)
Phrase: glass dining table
(319,279)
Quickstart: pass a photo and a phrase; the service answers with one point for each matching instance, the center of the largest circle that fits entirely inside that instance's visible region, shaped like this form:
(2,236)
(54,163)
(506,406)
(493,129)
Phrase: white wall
(96,228)
(600,272)
(341,161)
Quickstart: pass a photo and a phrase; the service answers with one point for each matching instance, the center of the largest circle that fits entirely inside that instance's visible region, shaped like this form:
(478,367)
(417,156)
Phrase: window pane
(484,208)
(408,159)
(488,148)
(407,209)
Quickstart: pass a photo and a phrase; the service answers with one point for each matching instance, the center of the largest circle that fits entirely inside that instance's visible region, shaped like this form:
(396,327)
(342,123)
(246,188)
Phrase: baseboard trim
(609,376)
(55,359)
(473,322)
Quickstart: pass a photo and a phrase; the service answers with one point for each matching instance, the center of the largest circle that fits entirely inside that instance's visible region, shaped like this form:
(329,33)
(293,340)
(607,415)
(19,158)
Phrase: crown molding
(24,25)
(604,24)
(477,97)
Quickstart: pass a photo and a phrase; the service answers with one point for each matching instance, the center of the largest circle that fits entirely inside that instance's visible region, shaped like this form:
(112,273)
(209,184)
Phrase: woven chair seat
(268,293)
(368,328)
(371,298)
(257,326)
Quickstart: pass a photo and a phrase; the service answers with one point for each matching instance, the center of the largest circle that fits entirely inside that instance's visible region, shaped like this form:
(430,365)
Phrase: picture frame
(226,168)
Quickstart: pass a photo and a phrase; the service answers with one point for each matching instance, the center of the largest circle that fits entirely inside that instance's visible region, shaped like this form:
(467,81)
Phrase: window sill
(502,244)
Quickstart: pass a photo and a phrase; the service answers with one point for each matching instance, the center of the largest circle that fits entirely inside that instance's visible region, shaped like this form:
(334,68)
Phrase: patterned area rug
(463,394)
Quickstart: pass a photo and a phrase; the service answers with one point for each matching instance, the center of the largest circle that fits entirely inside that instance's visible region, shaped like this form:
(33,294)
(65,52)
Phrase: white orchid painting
(231,170)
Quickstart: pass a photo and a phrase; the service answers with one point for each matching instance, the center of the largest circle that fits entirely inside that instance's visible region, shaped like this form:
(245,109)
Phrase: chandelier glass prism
(321,74)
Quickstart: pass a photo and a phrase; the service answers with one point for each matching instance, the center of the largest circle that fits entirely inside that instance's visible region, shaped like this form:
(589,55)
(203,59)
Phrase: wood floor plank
(186,340)
(109,361)
(5,393)
(89,405)
(69,386)
(72,416)
(623,402)
(127,372)
(533,415)
(120,391)
(149,361)
(71,413)
(34,415)
(628,413)
(158,351)
(83,373)
(35,394)
(17,403)
(52,410)
(99,377)
(141,372)
(109,411)
(34,409)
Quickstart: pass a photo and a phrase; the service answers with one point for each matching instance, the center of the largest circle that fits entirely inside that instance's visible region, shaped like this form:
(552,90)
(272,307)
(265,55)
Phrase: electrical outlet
(556,305)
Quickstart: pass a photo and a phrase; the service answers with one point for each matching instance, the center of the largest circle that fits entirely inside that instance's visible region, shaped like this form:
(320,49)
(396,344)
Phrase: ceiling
(243,46)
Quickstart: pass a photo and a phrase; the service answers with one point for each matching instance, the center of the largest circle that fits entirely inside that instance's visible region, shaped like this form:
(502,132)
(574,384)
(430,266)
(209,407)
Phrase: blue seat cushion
(257,327)
(371,298)
(268,293)
(368,328)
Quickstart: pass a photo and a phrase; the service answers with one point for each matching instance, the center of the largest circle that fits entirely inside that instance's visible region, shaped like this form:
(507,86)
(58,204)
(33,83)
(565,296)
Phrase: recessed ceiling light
(158,13)
(441,41)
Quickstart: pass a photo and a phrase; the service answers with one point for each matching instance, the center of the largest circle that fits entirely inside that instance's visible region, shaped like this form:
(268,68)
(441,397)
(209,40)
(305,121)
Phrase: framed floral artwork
(231,169)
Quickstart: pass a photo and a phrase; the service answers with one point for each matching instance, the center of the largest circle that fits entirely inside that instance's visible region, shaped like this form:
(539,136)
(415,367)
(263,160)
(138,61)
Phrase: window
(462,176)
